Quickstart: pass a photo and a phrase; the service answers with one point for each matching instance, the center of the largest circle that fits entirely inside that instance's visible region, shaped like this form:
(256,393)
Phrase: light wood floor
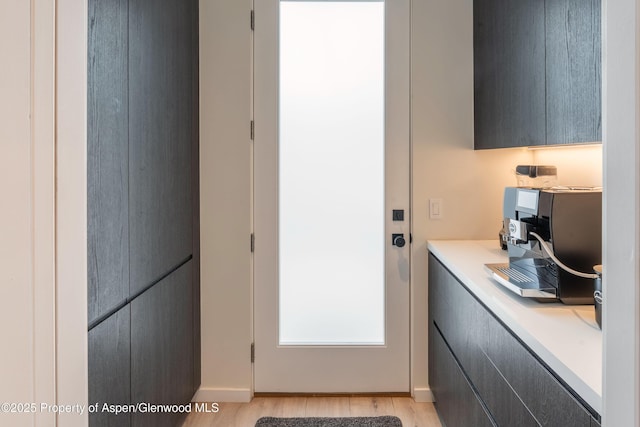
(411,413)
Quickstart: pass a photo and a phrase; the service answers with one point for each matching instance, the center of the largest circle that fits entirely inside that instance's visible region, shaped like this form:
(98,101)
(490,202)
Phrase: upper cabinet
(573,71)
(536,72)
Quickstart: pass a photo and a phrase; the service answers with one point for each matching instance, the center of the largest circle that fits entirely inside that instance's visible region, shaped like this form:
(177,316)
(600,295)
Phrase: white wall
(577,166)
(225,199)
(621,307)
(16,258)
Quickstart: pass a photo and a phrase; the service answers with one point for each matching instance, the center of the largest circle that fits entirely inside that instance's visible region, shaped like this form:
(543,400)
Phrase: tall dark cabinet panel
(162,346)
(160,131)
(107,158)
(509,73)
(573,71)
(143,207)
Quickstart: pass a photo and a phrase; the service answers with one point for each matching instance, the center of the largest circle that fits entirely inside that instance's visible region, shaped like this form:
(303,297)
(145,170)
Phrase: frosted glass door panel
(331,173)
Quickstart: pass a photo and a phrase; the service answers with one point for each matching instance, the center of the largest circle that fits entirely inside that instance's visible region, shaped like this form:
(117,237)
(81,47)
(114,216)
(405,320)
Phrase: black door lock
(398,240)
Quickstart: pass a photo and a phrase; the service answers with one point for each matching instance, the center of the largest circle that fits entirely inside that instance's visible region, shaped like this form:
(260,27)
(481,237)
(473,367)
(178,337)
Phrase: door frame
(397,133)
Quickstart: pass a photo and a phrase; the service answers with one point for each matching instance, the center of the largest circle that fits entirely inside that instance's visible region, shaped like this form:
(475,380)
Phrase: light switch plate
(436,209)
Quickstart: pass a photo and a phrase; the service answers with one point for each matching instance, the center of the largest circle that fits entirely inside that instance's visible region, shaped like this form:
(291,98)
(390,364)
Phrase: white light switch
(435,209)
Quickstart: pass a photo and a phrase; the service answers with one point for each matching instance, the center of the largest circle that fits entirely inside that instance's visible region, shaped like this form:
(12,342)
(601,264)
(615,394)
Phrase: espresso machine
(554,238)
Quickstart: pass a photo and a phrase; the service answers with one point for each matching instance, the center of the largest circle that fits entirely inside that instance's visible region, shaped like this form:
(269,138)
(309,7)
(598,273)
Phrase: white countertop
(565,337)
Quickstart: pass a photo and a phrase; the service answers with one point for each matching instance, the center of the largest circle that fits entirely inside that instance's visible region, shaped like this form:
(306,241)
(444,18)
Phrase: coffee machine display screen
(527,201)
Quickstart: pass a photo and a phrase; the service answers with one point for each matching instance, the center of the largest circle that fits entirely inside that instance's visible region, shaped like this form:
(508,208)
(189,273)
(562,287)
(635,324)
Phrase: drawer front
(547,399)
(456,402)
(459,317)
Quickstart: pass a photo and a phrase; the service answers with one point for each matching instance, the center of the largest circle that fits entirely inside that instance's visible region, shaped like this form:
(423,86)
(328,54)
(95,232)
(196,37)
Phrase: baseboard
(208,394)
(422,394)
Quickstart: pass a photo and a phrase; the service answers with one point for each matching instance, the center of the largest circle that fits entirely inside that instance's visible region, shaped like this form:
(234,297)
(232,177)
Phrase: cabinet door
(107,158)
(509,73)
(160,137)
(455,400)
(573,71)
(109,368)
(162,347)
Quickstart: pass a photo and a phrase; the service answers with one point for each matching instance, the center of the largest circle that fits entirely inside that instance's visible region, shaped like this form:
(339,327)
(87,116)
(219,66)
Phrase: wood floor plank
(292,407)
(427,414)
(411,413)
(225,417)
(370,406)
(327,407)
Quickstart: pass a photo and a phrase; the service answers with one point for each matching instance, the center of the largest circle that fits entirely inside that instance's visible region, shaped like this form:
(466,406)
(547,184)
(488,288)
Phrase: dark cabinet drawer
(456,402)
(547,399)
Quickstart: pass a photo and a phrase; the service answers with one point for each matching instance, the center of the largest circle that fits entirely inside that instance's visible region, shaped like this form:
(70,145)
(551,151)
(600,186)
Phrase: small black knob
(398,240)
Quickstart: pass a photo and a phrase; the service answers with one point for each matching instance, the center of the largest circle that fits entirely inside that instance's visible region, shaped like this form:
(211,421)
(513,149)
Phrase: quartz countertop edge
(565,337)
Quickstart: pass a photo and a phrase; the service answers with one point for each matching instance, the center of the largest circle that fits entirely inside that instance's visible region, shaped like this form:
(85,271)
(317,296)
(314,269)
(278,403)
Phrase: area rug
(386,421)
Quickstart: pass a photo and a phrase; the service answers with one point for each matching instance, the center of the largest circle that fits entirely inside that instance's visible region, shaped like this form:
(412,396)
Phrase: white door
(331,164)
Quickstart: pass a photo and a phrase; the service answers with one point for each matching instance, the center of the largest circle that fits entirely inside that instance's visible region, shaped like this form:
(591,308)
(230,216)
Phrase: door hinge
(253,242)
(253,352)
(253,20)
(252,130)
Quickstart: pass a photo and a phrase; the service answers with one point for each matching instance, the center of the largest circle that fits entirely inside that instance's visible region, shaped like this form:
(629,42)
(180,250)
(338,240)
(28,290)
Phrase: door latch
(398,240)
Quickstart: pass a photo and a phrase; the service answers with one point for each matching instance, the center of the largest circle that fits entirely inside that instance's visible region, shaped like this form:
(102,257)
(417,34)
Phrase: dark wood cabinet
(509,73)
(537,67)
(107,158)
(162,347)
(460,405)
(512,384)
(573,71)
(546,398)
(143,207)
(161,112)
(110,368)
(465,324)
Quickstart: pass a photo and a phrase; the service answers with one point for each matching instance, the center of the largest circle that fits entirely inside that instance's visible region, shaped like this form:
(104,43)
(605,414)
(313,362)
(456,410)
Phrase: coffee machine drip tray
(521,282)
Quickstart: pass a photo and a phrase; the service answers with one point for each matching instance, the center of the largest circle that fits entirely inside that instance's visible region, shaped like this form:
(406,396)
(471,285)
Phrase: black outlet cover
(398,214)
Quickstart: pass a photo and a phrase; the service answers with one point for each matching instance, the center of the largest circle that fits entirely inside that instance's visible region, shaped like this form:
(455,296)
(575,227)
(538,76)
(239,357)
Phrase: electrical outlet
(436,209)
